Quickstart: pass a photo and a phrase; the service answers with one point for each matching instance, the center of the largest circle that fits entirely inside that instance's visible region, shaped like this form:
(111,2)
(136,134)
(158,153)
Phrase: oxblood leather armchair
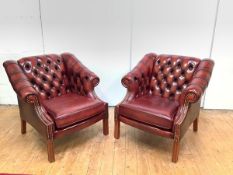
(163,96)
(56,95)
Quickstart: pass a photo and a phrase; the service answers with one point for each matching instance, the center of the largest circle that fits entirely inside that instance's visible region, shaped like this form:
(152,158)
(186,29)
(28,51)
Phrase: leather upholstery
(72,108)
(20,82)
(46,74)
(56,95)
(151,109)
(171,75)
(163,96)
(198,83)
(162,90)
(82,80)
(63,85)
(138,80)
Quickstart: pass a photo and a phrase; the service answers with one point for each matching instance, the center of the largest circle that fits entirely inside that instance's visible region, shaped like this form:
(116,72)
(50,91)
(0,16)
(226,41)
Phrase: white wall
(97,32)
(181,27)
(219,94)
(20,35)
(111,36)
(177,27)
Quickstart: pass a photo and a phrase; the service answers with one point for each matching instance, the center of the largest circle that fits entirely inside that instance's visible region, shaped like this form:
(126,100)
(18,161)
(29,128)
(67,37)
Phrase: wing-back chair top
(49,76)
(168,76)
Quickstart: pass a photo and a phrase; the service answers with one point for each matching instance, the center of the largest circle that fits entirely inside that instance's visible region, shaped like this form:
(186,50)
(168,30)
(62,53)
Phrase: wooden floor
(88,152)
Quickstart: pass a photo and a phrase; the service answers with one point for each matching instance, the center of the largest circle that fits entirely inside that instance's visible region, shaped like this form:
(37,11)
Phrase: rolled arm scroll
(20,82)
(136,80)
(199,83)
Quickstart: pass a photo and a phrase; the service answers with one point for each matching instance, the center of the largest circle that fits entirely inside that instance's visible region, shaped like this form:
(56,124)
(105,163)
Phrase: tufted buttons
(59,61)
(39,63)
(178,78)
(169,61)
(56,67)
(86,78)
(182,73)
(41,88)
(48,62)
(33,82)
(44,79)
(191,66)
(27,66)
(54,76)
(35,72)
(172,73)
(46,74)
(51,85)
(46,69)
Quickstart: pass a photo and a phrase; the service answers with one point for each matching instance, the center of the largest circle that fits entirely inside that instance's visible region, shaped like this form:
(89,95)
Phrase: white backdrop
(219,94)
(20,35)
(97,32)
(181,27)
(111,36)
(177,27)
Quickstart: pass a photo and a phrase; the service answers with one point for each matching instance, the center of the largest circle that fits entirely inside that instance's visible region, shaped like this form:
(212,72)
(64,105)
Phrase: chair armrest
(198,84)
(137,81)
(20,82)
(76,69)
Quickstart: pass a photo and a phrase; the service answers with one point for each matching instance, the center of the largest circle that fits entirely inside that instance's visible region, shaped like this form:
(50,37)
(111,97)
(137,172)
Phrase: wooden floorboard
(89,152)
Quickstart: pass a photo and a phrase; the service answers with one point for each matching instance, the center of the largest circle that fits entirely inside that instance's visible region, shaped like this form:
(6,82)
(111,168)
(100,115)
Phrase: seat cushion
(72,108)
(153,110)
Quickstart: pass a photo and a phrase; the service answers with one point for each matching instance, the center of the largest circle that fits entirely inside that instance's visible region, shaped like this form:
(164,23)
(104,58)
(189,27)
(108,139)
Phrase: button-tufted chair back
(47,74)
(81,80)
(171,75)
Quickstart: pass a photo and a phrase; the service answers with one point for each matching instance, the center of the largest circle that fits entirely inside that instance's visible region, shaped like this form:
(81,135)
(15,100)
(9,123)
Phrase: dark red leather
(163,96)
(138,80)
(20,83)
(72,108)
(171,75)
(81,79)
(177,79)
(56,95)
(199,82)
(63,85)
(47,74)
(151,109)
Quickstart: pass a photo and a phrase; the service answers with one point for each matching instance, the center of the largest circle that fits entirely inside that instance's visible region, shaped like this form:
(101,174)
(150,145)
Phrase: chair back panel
(47,74)
(171,74)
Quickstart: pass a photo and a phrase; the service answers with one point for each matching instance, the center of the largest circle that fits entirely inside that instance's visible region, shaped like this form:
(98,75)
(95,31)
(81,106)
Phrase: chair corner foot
(195,125)
(175,151)
(50,149)
(23,126)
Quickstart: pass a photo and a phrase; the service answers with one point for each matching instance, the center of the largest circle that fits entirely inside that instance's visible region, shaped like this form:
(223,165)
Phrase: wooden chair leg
(23,126)
(195,125)
(175,152)
(105,122)
(50,149)
(116,125)
(117,129)
(105,126)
